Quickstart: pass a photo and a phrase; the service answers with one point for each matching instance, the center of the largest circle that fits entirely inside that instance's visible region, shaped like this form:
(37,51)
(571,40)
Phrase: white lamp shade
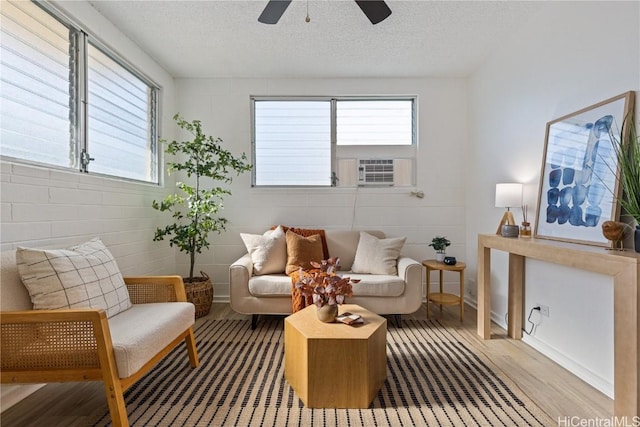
(508,195)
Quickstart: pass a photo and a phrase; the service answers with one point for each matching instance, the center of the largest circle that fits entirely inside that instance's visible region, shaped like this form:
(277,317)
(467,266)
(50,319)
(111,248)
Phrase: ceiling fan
(375,10)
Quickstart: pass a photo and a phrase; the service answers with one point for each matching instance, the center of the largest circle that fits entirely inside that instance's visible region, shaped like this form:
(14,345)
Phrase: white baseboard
(588,376)
(10,394)
(221,298)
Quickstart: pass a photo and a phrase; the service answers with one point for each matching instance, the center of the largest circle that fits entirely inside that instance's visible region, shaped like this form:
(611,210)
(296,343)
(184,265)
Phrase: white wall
(42,207)
(574,54)
(223,105)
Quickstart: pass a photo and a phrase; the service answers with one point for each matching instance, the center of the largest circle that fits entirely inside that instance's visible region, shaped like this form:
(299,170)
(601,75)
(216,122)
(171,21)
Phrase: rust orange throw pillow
(302,250)
(306,232)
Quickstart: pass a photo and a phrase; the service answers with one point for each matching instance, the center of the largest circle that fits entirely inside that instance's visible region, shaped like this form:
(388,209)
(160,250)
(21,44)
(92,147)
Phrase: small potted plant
(325,287)
(440,243)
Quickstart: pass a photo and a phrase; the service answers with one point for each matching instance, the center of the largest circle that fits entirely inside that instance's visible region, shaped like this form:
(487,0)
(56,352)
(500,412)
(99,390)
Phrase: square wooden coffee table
(333,365)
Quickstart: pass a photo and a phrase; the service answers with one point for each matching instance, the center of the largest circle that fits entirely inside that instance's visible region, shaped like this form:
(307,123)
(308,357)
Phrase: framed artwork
(579,178)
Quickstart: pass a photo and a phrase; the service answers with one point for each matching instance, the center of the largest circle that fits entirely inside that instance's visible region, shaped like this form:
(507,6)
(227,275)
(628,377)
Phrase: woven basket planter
(200,293)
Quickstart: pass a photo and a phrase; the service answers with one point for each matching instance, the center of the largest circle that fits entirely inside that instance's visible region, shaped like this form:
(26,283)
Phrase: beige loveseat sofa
(383,294)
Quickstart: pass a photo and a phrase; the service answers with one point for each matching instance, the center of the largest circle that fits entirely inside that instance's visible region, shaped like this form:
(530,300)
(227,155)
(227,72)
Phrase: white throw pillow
(377,256)
(83,276)
(268,252)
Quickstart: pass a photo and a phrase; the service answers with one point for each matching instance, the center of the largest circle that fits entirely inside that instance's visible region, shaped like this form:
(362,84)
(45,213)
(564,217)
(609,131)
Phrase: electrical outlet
(544,309)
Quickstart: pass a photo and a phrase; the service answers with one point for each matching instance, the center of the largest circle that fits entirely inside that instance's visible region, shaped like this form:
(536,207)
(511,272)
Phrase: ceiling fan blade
(273,11)
(376,10)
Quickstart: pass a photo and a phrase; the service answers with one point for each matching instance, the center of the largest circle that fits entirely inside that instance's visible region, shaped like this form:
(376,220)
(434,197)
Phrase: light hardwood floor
(559,393)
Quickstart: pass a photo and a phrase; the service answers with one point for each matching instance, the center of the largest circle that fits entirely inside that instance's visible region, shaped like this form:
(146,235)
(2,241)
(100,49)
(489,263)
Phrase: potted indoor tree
(440,243)
(195,208)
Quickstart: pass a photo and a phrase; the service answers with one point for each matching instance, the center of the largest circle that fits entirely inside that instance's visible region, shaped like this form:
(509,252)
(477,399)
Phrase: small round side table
(441,298)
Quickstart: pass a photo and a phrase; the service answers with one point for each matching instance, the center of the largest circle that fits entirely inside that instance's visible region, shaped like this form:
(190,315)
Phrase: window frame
(334,146)
(79,39)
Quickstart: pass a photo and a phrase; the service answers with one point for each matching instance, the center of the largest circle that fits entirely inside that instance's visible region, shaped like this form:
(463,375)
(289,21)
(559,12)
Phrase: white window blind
(374,122)
(119,120)
(34,86)
(46,97)
(292,143)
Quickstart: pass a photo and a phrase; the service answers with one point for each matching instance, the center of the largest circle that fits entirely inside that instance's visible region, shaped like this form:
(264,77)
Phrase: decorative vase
(327,313)
(440,256)
(637,238)
(510,230)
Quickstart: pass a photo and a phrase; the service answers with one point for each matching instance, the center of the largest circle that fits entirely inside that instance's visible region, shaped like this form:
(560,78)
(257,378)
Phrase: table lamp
(508,196)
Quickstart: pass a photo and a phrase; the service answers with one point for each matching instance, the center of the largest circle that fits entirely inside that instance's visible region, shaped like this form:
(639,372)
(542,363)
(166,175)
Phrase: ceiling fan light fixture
(273,11)
(376,10)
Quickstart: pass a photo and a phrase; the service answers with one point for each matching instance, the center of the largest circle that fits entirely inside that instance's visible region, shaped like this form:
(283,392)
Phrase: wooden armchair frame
(85,352)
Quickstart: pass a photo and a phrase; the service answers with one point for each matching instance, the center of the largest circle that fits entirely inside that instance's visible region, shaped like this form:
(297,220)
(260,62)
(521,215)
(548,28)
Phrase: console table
(624,267)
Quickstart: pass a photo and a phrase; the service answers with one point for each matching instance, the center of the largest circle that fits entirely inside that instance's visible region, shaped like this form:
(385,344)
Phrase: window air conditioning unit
(375,172)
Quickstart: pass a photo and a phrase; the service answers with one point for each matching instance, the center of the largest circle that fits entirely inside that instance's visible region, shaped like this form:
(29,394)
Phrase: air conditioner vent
(375,172)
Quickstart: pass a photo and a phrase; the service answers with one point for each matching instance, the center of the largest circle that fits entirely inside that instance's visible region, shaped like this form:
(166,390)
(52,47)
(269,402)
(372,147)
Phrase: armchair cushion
(83,276)
(139,332)
(377,256)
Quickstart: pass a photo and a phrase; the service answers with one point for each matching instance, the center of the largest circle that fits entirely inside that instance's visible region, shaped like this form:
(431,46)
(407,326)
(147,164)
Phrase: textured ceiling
(199,39)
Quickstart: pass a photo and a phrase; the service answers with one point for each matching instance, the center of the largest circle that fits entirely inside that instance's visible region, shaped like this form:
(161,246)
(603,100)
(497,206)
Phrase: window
(374,122)
(292,136)
(120,137)
(34,74)
(69,102)
(333,141)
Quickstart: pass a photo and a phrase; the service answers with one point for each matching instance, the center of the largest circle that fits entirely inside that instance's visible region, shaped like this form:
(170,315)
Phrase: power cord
(355,203)
(533,325)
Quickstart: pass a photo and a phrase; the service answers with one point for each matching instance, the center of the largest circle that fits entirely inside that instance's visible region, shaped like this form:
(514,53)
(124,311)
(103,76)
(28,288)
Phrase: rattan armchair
(42,346)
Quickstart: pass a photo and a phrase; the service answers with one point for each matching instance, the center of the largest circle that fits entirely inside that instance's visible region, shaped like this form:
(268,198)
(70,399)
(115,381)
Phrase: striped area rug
(433,379)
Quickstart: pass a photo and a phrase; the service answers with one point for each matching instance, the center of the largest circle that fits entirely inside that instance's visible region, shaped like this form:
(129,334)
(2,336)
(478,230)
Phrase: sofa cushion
(343,244)
(270,285)
(306,232)
(83,276)
(139,332)
(377,256)
(376,285)
(302,250)
(268,252)
(370,285)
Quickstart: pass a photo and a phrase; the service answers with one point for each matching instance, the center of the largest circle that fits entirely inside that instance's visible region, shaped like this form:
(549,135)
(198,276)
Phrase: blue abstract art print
(579,178)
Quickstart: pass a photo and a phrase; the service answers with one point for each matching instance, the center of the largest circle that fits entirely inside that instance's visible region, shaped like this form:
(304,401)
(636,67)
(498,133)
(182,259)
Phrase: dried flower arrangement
(323,284)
